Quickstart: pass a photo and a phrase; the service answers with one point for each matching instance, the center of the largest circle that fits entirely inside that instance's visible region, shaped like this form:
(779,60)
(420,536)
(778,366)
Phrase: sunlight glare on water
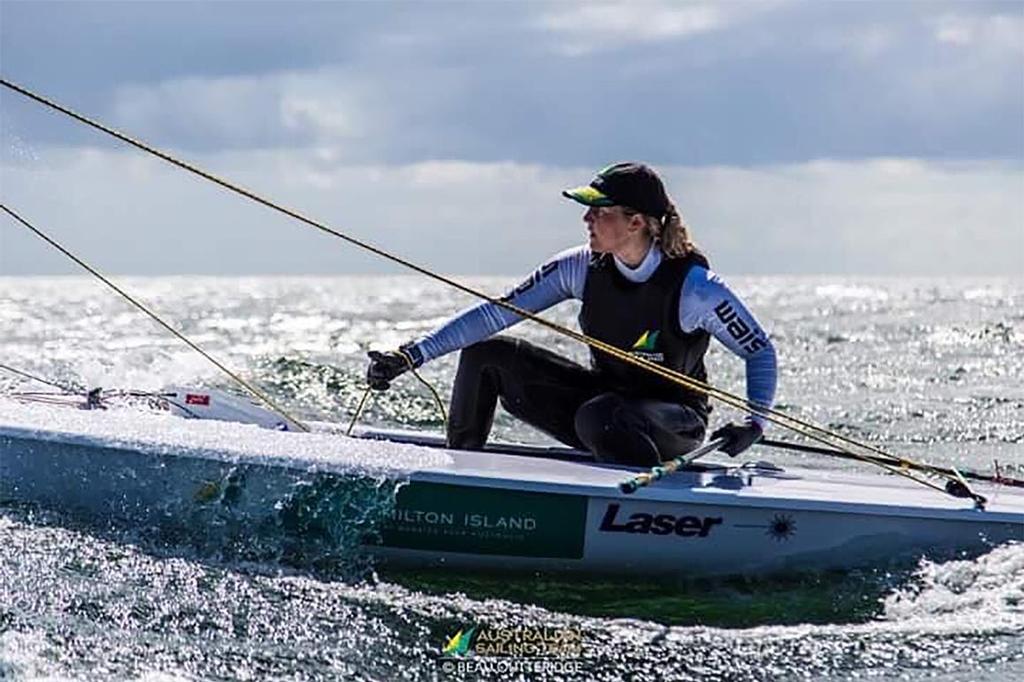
(928,367)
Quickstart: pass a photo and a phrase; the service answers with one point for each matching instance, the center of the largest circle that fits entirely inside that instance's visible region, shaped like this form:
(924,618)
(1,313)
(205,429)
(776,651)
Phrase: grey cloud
(403,82)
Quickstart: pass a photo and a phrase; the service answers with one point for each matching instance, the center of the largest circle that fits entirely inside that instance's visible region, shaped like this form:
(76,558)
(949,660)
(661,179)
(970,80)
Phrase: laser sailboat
(512,507)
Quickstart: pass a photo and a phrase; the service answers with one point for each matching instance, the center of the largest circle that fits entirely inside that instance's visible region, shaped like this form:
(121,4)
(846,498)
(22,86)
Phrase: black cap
(629,184)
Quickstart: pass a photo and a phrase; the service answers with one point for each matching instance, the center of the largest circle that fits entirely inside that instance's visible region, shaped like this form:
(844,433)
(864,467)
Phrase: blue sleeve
(707,303)
(559,279)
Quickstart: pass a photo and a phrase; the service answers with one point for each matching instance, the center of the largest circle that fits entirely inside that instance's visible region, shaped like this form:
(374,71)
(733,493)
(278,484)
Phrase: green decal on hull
(454,518)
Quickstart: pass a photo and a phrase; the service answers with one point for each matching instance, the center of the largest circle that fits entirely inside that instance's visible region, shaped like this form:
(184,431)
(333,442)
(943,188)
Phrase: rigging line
(351,240)
(607,348)
(242,382)
(66,388)
(802,427)
(359,410)
(926,468)
(676,377)
(412,368)
(891,463)
(772,415)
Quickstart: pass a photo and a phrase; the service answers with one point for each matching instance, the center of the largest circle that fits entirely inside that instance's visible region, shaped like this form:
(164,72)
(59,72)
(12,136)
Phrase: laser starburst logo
(781,527)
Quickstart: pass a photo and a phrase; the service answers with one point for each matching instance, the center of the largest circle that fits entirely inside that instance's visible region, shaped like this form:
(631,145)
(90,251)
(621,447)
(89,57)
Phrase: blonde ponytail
(671,233)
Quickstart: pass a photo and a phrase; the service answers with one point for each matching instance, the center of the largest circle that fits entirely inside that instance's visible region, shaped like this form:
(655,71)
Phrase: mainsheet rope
(412,368)
(891,462)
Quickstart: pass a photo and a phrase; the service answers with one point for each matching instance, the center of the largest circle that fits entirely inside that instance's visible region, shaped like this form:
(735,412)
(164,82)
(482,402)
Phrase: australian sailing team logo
(458,644)
(646,346)
(521,641)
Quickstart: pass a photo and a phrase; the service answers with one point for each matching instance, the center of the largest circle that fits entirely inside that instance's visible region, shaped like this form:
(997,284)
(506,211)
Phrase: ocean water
(931,368)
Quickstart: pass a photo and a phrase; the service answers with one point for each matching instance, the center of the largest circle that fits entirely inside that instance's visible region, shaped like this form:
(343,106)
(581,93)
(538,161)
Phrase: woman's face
(610,229)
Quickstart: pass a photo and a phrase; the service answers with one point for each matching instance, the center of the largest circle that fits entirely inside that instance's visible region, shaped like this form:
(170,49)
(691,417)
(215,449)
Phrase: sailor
(646,289)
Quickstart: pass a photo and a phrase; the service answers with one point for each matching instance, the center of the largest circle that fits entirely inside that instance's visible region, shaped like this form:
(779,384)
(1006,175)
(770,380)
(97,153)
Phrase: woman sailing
(645,289)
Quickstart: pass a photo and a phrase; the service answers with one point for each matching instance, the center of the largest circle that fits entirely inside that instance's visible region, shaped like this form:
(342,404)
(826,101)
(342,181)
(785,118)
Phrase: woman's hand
(386,367)
(738,437)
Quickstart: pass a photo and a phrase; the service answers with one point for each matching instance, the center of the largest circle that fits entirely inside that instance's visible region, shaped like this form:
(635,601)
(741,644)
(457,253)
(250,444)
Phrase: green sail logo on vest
(645,346)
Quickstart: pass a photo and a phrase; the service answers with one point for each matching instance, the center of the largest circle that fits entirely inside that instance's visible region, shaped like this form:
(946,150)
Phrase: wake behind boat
(513,507)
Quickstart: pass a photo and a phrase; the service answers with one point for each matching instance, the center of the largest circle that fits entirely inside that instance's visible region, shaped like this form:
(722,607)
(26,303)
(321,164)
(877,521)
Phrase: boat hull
(470,527)
(511,512)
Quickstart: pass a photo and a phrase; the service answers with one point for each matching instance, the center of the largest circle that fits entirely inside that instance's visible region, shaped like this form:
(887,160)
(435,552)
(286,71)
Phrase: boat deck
(732,483)
(556,470)
(712,481)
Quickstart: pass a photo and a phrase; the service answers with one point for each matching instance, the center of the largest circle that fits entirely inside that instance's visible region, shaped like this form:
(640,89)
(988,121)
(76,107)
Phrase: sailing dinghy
(512,507)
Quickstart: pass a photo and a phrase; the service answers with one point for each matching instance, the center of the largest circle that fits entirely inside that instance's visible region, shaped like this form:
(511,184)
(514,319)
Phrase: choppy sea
(931,368)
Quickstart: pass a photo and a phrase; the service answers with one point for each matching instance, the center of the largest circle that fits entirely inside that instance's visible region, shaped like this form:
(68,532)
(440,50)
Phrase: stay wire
(67,388)
(771,415)
(894,463)
(607,348)
(156,318)
(930,468)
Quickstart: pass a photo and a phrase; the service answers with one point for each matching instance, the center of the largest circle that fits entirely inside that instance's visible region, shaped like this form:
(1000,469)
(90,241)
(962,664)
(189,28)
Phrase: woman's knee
(594,417)
(615,433)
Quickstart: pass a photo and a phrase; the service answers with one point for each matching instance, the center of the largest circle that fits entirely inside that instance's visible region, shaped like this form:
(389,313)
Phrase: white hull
(722,519)
(504,511)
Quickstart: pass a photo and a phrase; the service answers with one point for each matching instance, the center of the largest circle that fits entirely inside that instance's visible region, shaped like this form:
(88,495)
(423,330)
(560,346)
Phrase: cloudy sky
(796,137)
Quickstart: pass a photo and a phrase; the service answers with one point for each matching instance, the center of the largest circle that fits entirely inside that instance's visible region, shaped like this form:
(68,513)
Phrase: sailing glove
(385,367)
(738,437)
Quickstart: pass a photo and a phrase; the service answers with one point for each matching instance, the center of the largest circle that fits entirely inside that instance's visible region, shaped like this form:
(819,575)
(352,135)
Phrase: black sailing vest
(642,318)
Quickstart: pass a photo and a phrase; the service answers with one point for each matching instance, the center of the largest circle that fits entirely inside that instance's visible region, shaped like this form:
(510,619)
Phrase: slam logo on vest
(645,346)
(642,523)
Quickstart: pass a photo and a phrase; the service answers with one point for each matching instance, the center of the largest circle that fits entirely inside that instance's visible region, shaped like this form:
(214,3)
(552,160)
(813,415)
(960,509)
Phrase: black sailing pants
(566,401)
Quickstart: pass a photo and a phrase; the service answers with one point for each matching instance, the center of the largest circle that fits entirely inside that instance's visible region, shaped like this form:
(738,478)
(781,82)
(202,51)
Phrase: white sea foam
(23,655)
(167,434)
(976,596)
(987,592)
